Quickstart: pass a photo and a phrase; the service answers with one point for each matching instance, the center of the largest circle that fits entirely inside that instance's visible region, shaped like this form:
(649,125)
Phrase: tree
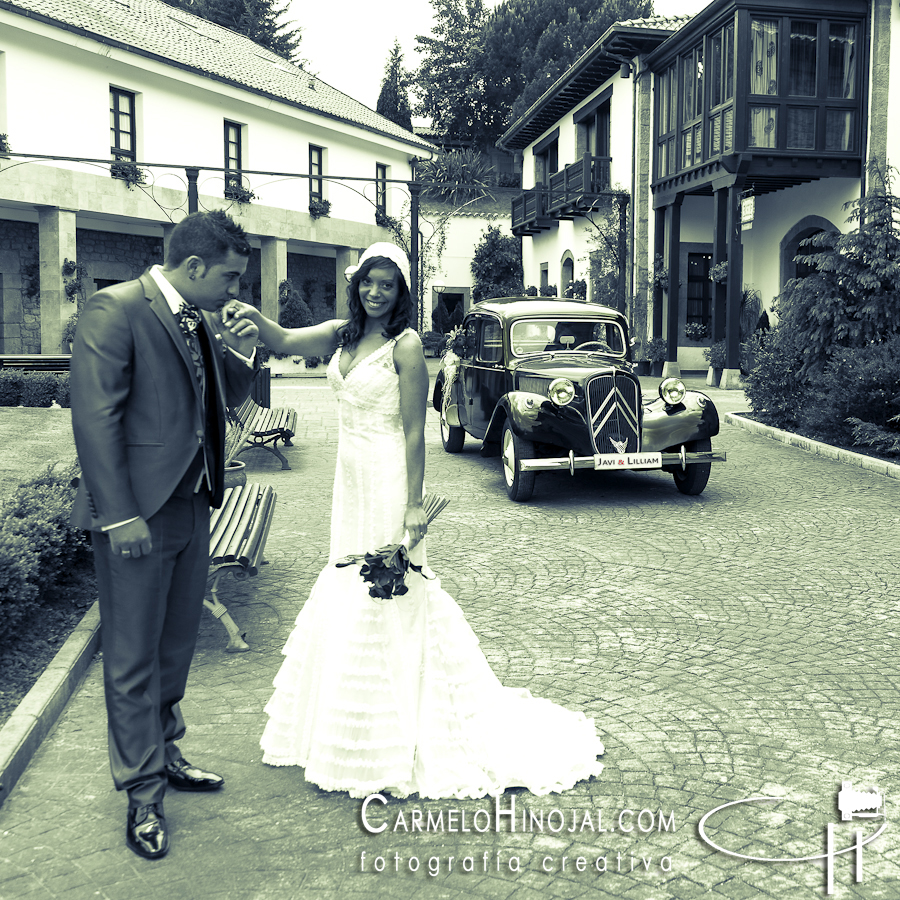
(393,101)
(255,19)
(451,83)
(497,266)
(853,297)
(482,71)
(560,32)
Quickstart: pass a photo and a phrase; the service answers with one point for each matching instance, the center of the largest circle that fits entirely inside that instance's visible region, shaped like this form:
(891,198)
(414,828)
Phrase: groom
(153,368)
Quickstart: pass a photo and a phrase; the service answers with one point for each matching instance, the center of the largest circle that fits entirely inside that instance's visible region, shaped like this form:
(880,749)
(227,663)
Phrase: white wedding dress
(396,695)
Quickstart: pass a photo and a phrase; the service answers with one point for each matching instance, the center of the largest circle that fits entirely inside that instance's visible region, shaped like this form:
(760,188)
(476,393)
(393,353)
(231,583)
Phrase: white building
(769,108)
(207,116)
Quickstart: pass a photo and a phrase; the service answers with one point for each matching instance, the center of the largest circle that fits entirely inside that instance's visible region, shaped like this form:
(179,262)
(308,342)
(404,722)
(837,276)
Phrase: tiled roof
(623,40)
(670,23)
(154,29)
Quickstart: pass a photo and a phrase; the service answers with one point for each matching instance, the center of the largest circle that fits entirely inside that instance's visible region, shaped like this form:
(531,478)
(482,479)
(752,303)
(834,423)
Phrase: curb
(848,457)
(42,706)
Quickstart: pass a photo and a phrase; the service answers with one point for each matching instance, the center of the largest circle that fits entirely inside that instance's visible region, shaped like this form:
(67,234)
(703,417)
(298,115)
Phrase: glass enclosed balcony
(774,82)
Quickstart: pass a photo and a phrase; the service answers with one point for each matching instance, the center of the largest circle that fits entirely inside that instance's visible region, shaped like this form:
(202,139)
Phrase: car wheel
(452,437)
(693,479)
(519,484)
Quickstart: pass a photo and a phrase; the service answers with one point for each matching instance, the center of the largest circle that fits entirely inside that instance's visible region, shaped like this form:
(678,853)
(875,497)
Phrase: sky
(348,43)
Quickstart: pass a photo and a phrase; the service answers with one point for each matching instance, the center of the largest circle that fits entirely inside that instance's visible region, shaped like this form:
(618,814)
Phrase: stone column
(346,256)
(56,235)
(273,270)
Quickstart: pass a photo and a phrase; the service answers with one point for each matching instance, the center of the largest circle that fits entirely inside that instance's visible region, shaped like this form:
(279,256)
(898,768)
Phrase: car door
(483,375)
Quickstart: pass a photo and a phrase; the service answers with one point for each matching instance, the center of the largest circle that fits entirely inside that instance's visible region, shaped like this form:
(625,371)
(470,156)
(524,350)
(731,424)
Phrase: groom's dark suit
(145,434)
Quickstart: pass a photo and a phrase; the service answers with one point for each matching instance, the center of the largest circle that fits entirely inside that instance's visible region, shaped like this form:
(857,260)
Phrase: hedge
(39,550)
(21,388)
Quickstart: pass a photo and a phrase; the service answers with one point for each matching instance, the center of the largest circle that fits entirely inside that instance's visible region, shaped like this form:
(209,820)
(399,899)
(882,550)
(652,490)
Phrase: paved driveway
(734,645)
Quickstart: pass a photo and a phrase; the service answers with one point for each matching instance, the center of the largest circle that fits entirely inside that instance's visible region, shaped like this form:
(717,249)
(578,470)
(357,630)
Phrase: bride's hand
(416,523)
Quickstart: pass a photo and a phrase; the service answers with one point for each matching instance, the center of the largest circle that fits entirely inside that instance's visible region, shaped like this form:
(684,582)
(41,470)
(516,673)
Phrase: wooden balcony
(576,189)
(529,214)
(572,192)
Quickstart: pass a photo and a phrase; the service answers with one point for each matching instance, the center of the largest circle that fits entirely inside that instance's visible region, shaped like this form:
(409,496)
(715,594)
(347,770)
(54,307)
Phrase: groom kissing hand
(154,365)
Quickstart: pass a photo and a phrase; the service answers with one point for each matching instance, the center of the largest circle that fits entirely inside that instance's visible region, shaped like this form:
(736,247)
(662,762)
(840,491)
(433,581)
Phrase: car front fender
(695,418)
(522,409)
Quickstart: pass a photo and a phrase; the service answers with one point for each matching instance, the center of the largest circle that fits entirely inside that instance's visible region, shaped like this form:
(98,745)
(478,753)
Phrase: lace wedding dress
(396,695)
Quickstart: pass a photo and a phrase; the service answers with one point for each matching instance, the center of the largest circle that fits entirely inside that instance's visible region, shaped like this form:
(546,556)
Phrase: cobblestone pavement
(735,645)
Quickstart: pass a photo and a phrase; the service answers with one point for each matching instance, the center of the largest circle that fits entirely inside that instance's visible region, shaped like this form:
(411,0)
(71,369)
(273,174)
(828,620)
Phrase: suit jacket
(137,412)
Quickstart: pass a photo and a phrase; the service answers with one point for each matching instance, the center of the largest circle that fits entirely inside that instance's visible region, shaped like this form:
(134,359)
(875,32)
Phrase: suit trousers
(150,610)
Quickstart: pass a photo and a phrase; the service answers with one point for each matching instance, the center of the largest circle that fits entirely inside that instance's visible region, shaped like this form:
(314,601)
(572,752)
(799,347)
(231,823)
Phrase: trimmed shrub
(18,588)
(38,547)
(773,387)
(862,383)
(20,388)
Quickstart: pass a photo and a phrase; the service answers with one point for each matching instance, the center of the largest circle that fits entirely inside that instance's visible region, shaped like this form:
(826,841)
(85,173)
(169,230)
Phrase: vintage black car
(548,384)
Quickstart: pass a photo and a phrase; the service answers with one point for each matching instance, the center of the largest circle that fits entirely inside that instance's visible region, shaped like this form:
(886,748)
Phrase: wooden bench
(36,362)
(261,426)
(237,538)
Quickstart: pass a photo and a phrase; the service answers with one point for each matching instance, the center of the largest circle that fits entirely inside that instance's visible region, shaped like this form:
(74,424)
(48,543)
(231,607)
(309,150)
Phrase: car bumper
(616,462)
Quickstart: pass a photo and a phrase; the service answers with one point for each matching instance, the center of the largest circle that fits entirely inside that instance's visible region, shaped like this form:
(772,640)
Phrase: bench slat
(221,516)
(239,535)
(247,495)
(249,554)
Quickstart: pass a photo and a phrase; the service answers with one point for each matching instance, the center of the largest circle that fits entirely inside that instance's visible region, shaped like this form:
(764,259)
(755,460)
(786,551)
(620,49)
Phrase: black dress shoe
(145,831)
(185,777)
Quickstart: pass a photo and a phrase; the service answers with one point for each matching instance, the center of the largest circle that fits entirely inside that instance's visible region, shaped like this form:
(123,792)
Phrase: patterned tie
(189,321)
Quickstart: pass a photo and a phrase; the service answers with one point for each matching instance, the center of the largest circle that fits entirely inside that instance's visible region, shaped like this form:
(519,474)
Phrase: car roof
(514,307)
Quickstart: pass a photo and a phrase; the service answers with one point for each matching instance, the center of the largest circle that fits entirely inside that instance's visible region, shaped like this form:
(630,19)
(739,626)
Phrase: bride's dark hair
(403,316)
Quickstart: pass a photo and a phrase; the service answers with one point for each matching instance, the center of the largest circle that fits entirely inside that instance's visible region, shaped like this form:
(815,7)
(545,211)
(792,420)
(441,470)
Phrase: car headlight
(672,390)
(561,391)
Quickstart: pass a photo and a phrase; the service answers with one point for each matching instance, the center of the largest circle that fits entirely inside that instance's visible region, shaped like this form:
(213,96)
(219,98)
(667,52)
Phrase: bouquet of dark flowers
(385,569)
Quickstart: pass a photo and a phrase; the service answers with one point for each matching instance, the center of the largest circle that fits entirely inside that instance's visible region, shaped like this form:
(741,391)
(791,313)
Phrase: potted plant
(239,194)
(68,334)
(660,277)
(695,331)
(715,356)
(576,290)
(719,272)
(433,342)
(4,144)
(319,207)
(129,173)
(657,351)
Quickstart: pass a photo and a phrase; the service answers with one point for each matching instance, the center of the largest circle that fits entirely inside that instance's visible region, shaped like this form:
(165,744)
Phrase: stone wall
(109,256)
(106,256)
(20,326)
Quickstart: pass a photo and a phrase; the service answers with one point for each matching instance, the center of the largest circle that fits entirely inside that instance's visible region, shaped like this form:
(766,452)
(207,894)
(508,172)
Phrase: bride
(395,695)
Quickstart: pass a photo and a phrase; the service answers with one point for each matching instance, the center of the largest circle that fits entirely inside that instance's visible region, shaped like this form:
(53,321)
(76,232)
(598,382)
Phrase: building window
(842,62)
(804,38)
(826,82)
(764,56)
(234,159)
(122,137)
(316,162)
(546,163)
(666,118)
(699,289)
(692,108)
(381,174)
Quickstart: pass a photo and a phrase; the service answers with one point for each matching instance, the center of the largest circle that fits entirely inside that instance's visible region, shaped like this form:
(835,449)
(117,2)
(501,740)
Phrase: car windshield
(555,335)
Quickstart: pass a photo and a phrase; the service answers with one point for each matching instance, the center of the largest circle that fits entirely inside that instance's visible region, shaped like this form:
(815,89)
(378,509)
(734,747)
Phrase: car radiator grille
(614,404)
